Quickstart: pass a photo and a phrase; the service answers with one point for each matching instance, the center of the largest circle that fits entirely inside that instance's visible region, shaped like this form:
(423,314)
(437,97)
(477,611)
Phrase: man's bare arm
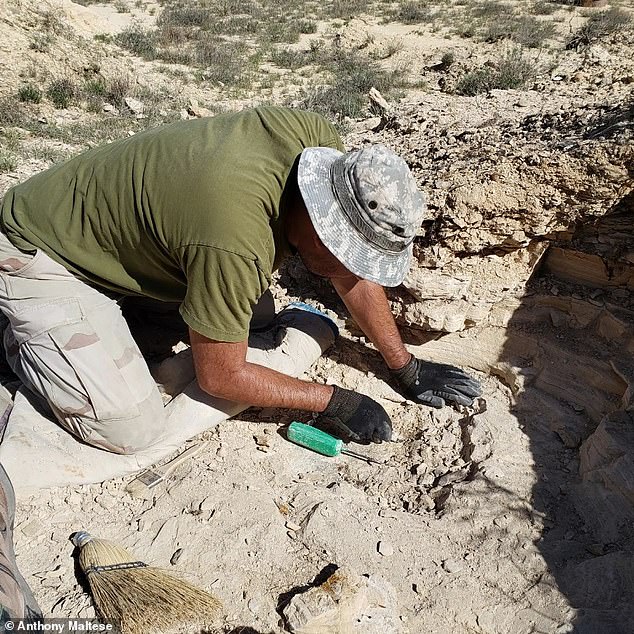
(223,371)
(369,307)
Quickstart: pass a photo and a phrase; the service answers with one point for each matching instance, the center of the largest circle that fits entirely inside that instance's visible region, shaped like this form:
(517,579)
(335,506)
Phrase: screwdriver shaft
(360,456)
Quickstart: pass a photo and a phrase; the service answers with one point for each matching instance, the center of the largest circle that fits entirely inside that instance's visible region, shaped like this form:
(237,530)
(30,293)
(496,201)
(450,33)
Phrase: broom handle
(170,466)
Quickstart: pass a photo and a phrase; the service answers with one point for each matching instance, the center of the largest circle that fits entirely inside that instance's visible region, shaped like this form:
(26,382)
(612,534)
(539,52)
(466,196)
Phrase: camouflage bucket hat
(365,207)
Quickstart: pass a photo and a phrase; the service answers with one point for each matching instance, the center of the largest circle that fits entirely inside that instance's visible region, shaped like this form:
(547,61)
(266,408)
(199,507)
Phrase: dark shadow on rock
(285,598)
(574,358)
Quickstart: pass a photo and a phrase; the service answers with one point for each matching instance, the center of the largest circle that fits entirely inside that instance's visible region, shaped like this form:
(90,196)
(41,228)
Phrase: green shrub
(490,10)
(307,26)
(8,162)
(30,94)
(447,59)
(106,38)
(544,7)
(223,61)
(52,22)
(61,92)
(353,76)
(117,89)
(599,26)
(278,31)
(525,30)
(288,58)
(95,91)
(414,13)
(95,87)
(12,113)
(121,6)
(138,41)
(346,9)
(41,43)
(512,71)
(185,15)
(177,56)
(234,25)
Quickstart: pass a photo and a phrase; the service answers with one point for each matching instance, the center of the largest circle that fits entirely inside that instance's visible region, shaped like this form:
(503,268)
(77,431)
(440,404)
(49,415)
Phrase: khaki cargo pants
(70,344)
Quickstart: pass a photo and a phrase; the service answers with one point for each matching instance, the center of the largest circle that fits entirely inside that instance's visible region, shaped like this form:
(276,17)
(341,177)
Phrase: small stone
(452,566)
(176,556)
(262,440)
(55,573)
(54,584)
(292,526)
(207,504)
(346,602)
(454,476)
(134,105)
(32,528)
(385,548)
(108,107)
(195,110)
(448,439)
(426,502)
(421,469)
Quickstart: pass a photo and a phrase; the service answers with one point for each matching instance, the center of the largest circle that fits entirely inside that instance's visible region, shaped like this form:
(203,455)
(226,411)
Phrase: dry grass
(512,70)
(600,26)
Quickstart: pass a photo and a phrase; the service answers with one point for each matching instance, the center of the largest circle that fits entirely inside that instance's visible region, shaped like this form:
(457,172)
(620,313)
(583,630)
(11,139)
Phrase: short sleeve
(222,288)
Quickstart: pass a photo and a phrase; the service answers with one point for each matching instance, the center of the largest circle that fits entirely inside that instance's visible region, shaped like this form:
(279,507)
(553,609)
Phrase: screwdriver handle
(315,439)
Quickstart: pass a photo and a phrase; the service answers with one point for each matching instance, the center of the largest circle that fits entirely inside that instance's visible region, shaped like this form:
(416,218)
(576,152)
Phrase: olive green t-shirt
(190,212)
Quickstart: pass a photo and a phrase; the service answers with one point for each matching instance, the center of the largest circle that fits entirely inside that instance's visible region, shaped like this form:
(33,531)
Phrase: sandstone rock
(607,456)
(345,602)
(424,284)
(196,110)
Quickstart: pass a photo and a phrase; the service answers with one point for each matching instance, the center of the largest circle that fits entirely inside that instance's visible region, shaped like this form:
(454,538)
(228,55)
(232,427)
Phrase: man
(202,212)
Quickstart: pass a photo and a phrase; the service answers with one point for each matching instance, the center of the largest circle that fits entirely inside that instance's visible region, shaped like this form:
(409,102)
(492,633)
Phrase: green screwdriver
(321,442)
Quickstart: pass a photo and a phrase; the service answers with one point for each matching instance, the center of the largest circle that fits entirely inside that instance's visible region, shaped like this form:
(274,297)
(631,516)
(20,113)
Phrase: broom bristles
(141,598)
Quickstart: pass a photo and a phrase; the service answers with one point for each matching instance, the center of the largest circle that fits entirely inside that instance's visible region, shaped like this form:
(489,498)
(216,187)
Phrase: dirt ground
(515,516)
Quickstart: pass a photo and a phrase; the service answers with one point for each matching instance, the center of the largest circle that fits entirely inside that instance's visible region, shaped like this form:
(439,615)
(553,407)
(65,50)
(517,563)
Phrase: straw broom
(139,598)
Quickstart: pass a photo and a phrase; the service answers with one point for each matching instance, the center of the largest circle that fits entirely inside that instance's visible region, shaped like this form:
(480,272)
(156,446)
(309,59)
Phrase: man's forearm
(369,307)
(222,371)
(263,387)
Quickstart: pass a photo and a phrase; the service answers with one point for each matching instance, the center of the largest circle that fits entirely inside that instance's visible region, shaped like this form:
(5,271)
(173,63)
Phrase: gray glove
(434,383)
(353,416)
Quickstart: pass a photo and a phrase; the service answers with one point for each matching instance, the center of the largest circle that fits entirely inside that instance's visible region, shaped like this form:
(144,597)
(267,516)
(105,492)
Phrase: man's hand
(354,416)
(436,383)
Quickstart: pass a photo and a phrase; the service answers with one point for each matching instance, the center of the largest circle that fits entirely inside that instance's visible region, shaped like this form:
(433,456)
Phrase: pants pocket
(95,370)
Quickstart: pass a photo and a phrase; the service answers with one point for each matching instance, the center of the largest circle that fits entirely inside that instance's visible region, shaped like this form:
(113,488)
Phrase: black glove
(434,383)
(354,416)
